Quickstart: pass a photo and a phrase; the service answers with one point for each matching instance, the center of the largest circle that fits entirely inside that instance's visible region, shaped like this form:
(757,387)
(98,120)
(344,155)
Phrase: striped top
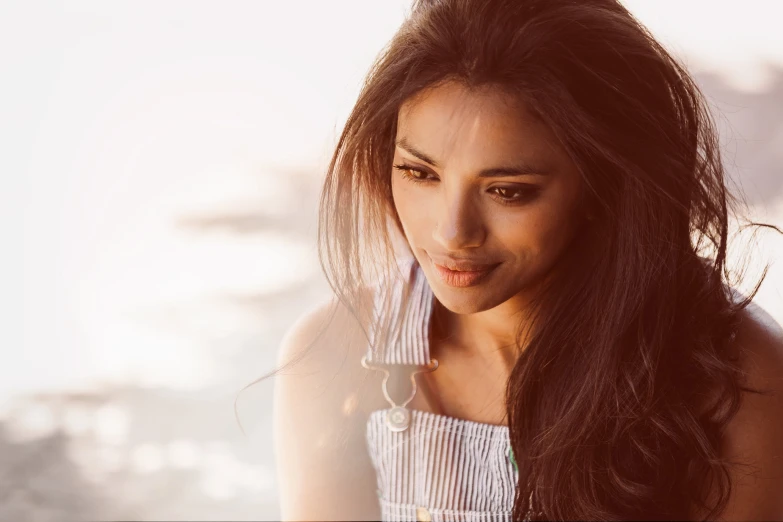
(438,467)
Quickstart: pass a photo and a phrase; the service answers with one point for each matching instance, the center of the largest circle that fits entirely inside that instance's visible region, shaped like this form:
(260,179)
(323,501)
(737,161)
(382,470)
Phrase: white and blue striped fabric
(440,468)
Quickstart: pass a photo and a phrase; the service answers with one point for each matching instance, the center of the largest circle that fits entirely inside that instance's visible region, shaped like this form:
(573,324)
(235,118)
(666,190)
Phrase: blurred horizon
(164,162)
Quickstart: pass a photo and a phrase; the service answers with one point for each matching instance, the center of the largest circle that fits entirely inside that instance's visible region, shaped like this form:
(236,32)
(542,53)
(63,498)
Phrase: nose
(459,226)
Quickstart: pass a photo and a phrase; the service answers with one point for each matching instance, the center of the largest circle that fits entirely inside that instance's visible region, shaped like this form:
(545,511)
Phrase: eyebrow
(518,169)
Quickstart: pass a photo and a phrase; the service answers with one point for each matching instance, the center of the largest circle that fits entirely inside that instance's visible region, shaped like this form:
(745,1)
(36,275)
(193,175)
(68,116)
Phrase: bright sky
(117,116)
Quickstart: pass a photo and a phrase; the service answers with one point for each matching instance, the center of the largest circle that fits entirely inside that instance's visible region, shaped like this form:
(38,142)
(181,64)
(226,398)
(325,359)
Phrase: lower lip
(462,279)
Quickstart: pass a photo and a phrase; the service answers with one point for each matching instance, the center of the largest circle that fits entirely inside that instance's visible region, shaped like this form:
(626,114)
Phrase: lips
(461,278)
(462,273)
(460,265)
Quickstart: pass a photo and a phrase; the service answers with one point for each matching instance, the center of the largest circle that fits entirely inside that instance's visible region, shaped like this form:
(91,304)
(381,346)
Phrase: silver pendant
(398,418)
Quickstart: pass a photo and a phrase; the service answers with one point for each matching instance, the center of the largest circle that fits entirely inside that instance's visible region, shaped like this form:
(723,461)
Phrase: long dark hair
(617,403)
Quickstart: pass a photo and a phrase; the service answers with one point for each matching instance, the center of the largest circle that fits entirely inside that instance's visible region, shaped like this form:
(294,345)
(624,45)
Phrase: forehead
(452,121)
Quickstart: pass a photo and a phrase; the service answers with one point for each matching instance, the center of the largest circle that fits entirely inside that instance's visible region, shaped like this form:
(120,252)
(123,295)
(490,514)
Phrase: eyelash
(526,192)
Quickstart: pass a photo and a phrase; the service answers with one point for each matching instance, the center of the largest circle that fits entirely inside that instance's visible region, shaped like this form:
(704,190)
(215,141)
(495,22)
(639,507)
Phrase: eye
(516,194)
(512,195)
(413,174)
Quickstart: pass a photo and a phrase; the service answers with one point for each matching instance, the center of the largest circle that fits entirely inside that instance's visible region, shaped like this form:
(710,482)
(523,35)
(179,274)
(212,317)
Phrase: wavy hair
(617,402)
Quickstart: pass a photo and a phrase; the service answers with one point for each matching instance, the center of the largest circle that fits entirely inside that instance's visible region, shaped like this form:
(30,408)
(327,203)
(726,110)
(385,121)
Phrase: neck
(489,335)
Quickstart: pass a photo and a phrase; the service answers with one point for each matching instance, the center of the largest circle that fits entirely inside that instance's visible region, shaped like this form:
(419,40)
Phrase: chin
(460,301)
(462,307)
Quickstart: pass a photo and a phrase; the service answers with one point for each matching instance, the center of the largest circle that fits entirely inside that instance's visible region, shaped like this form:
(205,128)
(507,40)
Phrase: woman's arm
(323,467)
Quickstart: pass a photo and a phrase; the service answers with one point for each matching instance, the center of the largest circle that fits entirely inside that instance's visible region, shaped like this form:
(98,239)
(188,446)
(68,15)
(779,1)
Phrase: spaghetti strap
(402,309)
(429,466)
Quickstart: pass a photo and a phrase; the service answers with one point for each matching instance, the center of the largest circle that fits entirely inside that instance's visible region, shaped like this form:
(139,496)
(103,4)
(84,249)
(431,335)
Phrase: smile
(463,278)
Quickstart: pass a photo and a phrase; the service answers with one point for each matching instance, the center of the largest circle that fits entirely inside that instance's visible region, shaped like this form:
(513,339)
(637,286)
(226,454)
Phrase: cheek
(542,230)
(405,204)
(399,199)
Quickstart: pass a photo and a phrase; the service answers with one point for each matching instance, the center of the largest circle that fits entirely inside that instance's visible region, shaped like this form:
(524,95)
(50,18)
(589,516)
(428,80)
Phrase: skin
(321,407)
(448,136)
(456,212)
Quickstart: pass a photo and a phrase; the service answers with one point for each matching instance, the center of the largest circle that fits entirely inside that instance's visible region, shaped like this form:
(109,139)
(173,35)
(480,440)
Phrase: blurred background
(161,164)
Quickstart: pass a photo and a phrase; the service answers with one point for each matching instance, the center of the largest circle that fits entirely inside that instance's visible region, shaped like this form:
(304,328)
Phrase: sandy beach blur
(163,163)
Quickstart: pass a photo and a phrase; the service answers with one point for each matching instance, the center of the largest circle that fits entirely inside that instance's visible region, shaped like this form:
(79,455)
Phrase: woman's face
(496,188)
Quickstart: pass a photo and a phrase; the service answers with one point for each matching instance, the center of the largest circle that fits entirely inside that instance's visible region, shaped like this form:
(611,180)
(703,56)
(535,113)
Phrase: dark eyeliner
(403,170)
(526,193)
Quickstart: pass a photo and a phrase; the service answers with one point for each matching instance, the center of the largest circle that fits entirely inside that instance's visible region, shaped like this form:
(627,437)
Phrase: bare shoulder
(760,340)
(324,470)
(754,437)
(319,329)
(320,354)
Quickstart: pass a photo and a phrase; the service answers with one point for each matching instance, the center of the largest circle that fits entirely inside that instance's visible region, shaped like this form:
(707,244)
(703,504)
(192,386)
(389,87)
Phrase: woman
(553,176)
